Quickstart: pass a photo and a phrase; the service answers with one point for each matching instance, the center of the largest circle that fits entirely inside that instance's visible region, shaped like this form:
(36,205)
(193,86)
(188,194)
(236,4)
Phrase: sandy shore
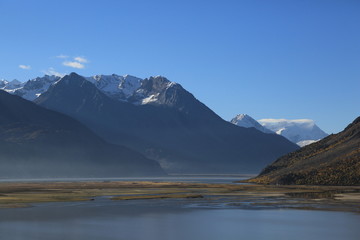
(249,196)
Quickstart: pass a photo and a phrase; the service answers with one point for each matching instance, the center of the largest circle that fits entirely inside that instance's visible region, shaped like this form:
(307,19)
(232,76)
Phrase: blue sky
(270,59)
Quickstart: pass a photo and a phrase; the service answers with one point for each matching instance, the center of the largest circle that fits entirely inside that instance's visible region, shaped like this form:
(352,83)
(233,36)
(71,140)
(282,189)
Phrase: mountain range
(299,131)
(30,89)
(334,160)
(36,142)
(157,118)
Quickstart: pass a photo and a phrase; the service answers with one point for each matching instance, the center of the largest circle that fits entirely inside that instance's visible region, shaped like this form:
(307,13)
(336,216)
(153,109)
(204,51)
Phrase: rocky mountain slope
(36,142)
(165,122)
(334,160)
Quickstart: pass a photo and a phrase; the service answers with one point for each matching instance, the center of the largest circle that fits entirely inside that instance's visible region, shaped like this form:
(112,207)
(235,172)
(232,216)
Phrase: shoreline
(247,196)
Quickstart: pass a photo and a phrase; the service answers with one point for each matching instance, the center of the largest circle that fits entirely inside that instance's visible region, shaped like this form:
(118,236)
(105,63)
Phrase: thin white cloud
(73,64)
(51,71)
(62,56)
(25,67)
(81,59)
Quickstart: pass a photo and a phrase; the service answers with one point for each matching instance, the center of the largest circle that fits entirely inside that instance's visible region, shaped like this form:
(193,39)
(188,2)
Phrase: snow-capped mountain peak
(31,89)
(35,87)
(155,90)
(244,120)
(12,85)
(115,86)
(127,88)
(3,83)
(300,131)
(129,85)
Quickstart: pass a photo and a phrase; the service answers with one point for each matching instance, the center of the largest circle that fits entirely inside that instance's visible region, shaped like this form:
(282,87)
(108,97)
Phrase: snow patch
(306,142)
(170,84)
(115,86)
(280,131)
(151,98)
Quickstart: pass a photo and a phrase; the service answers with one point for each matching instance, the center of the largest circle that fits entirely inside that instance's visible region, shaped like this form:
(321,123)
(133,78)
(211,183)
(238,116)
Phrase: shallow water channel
(167,219)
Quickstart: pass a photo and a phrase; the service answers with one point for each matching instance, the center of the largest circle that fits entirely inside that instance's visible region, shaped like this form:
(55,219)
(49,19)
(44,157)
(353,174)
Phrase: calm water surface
(170,219)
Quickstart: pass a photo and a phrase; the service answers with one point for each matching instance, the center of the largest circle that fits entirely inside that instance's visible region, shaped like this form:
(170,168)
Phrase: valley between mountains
(113,126)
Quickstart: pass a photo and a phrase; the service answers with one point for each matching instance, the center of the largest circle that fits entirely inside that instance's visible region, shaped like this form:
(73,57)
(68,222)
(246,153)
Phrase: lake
(172,219)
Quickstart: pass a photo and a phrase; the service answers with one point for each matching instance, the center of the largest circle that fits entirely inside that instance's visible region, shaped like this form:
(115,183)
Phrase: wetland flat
(137,210)
(244,196)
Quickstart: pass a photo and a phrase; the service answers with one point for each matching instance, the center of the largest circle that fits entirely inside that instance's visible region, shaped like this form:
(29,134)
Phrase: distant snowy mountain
(160,91)
(6,85)
(10,85)
(156,117)
(115,86)
(244,120)
(333,160)
(134,90)
(299,131)
(31,89)
(127,88)
(163,121)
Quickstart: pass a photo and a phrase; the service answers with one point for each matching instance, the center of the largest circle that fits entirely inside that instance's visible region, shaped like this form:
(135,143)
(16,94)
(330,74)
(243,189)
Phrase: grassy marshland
(244,196)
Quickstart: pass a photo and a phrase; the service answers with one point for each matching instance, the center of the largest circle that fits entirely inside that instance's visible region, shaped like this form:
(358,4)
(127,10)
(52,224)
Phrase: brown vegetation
(334,160)
(236,195)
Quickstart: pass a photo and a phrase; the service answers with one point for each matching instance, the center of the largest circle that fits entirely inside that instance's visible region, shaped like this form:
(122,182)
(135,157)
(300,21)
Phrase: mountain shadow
(36,142)
(177,130)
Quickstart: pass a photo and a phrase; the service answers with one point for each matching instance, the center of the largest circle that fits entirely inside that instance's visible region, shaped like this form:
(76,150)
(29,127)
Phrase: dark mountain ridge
(334,160)
(36,142)
(175,129)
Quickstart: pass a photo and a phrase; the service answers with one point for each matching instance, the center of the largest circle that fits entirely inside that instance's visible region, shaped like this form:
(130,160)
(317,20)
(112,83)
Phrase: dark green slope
(36,142)
(179,131)
(335,160)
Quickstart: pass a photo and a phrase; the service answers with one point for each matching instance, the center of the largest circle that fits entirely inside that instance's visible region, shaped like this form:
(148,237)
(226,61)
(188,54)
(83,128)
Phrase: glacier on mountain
(299,131)
(115,86)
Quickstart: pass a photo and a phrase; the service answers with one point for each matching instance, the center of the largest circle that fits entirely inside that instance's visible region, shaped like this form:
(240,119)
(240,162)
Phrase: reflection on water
(169,219)
(177,219)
